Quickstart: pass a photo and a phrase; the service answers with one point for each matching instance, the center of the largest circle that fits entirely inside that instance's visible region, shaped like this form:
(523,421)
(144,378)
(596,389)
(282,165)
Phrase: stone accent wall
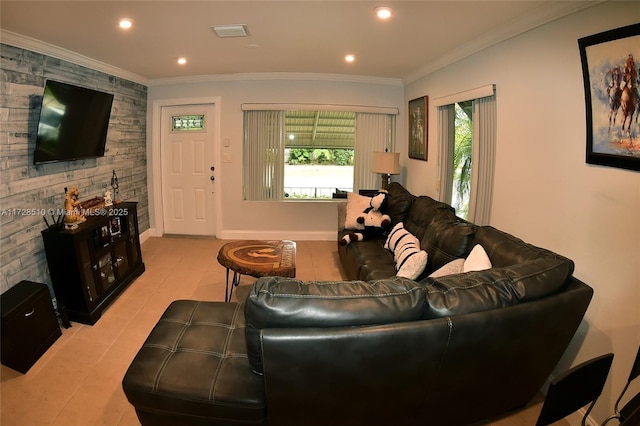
(24,186)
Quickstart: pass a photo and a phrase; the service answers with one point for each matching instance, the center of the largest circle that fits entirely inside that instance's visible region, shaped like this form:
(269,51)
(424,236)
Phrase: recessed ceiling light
(182,61)
(125,23)
(383,12)
(350,57)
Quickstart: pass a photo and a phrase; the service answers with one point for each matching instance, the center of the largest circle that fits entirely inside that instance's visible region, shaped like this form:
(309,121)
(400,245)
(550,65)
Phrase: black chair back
(572,390)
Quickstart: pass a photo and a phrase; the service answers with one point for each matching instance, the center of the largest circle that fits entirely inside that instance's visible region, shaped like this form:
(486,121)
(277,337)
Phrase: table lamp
(387,164)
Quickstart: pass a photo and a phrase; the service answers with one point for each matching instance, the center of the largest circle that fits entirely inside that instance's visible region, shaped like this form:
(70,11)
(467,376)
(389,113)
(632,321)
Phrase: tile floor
(78,380)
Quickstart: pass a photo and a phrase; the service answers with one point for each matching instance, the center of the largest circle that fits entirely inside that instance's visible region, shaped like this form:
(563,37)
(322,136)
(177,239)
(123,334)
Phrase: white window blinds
(264,155)
(446,137)
(484,130)
(374,132)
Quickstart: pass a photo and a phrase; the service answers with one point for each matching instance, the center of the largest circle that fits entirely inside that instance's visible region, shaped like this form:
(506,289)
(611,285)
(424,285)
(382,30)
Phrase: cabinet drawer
(29,325)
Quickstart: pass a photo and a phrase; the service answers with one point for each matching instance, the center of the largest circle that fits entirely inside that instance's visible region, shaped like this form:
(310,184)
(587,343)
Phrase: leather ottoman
(193,369)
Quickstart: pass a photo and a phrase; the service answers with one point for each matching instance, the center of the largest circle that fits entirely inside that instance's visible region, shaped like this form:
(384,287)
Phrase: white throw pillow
(356,205)
(478,260)
(454,267)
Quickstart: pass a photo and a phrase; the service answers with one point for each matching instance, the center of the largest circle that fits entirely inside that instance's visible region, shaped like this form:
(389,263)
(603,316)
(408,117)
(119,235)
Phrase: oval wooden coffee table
(257,258)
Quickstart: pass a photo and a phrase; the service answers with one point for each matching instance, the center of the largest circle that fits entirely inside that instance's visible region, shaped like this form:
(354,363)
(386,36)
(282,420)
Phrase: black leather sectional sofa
(375,350)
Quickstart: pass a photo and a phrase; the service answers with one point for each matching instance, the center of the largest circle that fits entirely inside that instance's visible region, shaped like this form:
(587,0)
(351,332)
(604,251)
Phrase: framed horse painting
(418,122)
(610,68)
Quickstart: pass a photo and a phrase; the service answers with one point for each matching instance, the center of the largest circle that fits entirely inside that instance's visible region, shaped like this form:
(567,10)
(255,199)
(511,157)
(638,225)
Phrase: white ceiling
(291,36)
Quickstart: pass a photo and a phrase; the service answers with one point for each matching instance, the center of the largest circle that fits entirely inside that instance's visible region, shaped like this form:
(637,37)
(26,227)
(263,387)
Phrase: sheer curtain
(264,155)
(446,140)
(374,132)
(484,131)
(484,147)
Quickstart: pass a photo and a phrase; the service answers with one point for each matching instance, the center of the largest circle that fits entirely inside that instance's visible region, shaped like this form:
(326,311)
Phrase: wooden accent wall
(27,190)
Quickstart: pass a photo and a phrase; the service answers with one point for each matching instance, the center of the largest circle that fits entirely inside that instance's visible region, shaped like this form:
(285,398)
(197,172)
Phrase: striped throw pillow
(410,260)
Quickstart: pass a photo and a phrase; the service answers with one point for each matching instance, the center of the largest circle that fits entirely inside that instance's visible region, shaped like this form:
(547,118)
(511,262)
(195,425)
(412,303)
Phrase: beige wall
(290,219)
(544,191)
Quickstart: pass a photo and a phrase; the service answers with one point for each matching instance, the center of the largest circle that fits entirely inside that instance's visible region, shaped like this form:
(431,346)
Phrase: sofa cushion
(276,302)
(194,365)
(504,249)
(447,240)
(467,292)
(424,210)
(496,287)
(399,202)
(367,260)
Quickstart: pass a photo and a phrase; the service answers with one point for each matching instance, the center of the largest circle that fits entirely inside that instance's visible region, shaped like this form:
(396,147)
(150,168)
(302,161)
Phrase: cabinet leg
(64,316)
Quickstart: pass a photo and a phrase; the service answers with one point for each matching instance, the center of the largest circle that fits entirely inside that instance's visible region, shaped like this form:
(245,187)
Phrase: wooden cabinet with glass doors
(92,264)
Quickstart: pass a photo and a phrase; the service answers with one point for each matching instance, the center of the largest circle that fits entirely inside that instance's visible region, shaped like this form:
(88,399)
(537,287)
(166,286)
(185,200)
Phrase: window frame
(484,145)
(258,174)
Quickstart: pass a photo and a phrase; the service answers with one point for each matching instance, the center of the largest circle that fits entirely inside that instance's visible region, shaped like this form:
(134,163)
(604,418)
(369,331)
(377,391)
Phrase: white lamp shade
(386,163)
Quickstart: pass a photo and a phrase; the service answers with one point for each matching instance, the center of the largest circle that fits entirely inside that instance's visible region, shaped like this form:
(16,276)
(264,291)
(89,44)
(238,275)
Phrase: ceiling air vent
(237,30)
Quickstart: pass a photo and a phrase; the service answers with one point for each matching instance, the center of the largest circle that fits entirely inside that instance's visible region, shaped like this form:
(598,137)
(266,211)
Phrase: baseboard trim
(278,235)
(144,236)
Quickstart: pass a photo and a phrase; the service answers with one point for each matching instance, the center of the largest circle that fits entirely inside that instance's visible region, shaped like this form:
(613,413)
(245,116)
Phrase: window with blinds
(311,154)
(467,143)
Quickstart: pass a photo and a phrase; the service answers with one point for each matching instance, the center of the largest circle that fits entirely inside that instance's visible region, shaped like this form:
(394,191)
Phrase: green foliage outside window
(299,156)
(338,157)
(462,158)
(343,157)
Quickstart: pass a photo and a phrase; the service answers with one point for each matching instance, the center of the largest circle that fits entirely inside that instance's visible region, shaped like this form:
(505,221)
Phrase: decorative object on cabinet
(610,75)
(29,324)
(418,131)
(115,185)
(72,214)
(92,264)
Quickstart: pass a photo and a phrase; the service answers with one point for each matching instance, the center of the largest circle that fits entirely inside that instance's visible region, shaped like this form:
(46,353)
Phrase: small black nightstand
(29,324)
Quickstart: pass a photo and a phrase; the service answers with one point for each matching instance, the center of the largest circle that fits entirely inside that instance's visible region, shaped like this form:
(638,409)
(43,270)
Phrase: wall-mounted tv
(73,123)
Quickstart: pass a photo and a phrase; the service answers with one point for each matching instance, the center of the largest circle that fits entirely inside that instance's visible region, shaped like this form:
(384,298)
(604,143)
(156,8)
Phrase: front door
(187,141)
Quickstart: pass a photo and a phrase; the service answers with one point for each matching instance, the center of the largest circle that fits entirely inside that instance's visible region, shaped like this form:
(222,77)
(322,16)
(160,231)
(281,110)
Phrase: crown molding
(278,76)
(34,45)
(545,14)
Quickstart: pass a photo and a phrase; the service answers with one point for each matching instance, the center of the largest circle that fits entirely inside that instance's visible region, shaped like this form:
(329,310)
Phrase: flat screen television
(73,123)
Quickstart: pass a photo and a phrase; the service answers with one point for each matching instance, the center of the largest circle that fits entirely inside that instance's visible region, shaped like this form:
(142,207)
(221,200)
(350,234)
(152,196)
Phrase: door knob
(212,168)
(213,178)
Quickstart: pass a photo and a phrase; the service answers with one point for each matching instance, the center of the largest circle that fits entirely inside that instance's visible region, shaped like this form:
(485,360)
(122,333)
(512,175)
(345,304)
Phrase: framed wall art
(418,126)
(610,62)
